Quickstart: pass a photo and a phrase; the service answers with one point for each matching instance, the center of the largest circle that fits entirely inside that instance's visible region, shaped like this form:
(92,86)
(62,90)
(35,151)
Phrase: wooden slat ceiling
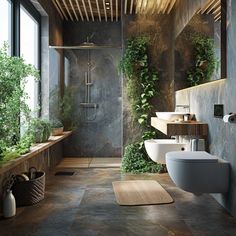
(109,10)
(212,7)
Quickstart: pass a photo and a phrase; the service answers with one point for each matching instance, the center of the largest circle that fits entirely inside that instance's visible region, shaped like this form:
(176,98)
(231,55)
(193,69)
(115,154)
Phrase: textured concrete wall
(51,34)
(222,136)
(99,130)
(159,30)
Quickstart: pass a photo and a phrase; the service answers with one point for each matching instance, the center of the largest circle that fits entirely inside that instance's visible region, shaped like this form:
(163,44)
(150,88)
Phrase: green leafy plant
(64,108)
(56,124)
(40,130)
(205,61)
(141,88)
(14,111)
(136,161)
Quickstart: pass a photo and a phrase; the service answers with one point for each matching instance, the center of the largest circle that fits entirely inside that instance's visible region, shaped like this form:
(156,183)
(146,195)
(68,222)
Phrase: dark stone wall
(202,98)
(160,31)
(100,129)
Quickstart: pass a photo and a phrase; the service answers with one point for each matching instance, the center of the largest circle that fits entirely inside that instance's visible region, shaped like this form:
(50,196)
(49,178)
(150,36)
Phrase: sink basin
(170,116)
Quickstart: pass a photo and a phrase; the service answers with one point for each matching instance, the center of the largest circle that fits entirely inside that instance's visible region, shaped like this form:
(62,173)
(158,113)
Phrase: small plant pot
(57,131)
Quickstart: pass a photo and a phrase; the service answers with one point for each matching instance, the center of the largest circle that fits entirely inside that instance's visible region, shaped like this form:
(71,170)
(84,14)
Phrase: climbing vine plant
(141,88)
(205,61)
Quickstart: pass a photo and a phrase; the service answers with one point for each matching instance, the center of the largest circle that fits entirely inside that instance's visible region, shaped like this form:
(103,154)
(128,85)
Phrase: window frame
(15,35)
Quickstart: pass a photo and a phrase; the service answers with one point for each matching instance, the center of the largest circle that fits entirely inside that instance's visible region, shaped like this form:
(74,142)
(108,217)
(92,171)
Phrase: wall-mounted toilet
(198,172)
(157,148)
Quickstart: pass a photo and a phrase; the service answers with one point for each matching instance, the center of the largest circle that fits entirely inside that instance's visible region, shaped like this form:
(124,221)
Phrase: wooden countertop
(34,150)
(194,128)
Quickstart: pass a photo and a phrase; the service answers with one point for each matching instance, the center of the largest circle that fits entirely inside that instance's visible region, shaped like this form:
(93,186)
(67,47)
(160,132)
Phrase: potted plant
(40,130)
(57,127)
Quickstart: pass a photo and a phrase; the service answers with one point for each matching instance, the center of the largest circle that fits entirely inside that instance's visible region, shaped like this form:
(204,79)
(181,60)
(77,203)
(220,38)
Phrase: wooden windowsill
(34,150)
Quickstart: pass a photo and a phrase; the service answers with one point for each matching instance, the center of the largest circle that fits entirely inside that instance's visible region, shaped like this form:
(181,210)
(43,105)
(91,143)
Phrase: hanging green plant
(141,88)
(205,61)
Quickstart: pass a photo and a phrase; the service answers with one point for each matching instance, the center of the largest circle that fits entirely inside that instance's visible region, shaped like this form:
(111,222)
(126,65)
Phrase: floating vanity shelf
(194,128)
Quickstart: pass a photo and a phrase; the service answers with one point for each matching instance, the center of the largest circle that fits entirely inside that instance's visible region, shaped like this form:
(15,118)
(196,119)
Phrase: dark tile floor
(84,204)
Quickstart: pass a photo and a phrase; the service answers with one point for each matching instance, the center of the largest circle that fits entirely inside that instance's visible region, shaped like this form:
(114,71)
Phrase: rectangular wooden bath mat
(140,192)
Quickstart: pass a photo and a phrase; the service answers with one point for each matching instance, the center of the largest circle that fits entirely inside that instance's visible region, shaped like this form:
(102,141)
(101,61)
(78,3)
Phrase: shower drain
(65,173)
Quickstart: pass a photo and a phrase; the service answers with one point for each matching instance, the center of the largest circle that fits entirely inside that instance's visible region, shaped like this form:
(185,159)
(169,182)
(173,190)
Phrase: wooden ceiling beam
(213,6)
(105,10)
(61,8)
(205,8)
(145,3)
(141,6)
(85,10)
(73,9)
(79,9)
(111,9)
(125,6)
(217,15)
(131,6)
(98,8)
(171,6)
(117,8)
(67,9)
(155,5)
(91,10)
(160,7)
(217,10)
(165,6)
(58,10)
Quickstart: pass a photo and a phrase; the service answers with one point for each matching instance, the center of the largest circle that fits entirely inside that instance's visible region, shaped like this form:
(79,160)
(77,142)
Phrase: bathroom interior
(145,92)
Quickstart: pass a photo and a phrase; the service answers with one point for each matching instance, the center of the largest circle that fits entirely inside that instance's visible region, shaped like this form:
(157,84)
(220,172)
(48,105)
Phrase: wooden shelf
(193,128)
(34,150)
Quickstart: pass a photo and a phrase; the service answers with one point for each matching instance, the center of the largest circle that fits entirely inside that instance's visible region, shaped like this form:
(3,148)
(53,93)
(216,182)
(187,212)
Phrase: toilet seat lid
(187,156)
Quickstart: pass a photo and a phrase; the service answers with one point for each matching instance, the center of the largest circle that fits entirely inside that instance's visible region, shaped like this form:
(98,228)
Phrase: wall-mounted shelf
(193,128)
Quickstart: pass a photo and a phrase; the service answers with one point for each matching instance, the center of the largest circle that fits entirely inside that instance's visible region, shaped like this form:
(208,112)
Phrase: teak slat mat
(140,192)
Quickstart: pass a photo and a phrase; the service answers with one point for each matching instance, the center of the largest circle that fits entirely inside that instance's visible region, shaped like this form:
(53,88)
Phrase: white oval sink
(170,116)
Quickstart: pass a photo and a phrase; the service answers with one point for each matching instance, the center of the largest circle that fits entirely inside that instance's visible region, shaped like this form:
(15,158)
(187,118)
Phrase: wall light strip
(204,85)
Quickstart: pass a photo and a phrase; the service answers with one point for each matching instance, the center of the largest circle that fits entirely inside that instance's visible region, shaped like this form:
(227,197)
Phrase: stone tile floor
(84,204)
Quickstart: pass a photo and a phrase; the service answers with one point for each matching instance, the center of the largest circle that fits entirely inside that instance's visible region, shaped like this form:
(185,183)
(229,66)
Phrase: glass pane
(5,23)
(29,32)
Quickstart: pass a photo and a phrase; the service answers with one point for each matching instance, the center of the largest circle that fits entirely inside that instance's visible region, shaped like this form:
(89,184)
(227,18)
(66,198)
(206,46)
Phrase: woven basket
(30,192)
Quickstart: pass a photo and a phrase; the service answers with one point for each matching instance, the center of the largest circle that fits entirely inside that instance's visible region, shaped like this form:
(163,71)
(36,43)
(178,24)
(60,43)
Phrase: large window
(29,50)
(5,23)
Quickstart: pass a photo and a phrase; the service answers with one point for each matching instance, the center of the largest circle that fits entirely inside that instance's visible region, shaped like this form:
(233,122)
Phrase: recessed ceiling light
(108,8)
(107,3)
